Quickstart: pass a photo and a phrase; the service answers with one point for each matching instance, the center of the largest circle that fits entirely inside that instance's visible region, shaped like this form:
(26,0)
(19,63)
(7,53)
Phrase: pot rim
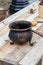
(20,30)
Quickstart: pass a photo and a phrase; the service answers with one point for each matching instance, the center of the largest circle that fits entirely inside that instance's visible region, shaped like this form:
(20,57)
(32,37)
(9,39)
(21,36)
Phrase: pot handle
(38,33)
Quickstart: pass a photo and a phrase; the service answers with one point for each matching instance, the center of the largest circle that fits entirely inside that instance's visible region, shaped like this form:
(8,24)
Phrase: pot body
(20,37)
(21,32)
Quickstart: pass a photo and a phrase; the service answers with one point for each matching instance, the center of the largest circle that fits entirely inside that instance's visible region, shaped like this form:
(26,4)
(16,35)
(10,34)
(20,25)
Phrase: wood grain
(15,53)
(34,56)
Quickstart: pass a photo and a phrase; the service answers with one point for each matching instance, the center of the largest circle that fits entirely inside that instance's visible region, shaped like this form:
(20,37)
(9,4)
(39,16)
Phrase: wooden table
(21,54)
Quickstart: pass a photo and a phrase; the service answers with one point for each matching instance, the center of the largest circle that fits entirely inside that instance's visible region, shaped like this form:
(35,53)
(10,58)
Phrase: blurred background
(6,3)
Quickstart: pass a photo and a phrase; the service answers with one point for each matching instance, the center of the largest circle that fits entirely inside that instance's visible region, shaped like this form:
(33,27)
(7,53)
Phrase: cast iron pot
(20,32)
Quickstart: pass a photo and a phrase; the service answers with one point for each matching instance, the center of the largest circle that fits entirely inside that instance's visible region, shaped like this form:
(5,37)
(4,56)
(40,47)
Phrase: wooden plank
(14,53)
(4,30)
(5,50)
(3,38)
(1,25)
(33,57)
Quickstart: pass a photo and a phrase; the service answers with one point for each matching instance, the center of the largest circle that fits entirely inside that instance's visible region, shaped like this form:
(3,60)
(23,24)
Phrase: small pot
(20,32)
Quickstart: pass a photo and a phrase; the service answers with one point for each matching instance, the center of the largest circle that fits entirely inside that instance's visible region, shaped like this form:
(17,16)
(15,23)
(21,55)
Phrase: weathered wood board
(15,53)
(34,55)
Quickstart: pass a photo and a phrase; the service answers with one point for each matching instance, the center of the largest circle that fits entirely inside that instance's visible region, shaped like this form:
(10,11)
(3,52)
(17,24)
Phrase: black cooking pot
(20,32)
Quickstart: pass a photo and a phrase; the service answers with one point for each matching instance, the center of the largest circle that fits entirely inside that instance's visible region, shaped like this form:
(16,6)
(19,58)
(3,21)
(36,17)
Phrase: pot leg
(31,44)
(12,42)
